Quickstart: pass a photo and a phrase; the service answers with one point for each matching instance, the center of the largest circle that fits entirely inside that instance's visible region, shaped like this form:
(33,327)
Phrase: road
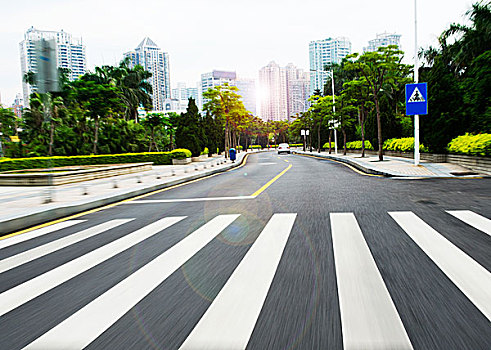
(285,252)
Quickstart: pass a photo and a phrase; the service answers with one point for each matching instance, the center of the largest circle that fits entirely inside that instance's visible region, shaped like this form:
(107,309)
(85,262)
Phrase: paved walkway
(19,202)
(396,166)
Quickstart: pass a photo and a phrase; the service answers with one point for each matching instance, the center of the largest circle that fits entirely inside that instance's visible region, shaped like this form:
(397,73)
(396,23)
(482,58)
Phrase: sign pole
(416,80)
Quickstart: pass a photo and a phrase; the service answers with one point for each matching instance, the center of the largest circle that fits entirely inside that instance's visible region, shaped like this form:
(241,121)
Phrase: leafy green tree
(380,69)
(225,104)
(189,133)
(98,100)
(154,122)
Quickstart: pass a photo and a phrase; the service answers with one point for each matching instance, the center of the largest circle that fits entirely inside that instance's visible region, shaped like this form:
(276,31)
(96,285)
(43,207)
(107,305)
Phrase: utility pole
(416,80)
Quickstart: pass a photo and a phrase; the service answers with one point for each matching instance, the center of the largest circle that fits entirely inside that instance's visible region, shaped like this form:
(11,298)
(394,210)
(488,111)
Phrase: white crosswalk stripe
(368,314)
(470,277)
(7,242)
(88,323)
(35,253)
(32,288)
(475,220)
(369,318)
(228,324)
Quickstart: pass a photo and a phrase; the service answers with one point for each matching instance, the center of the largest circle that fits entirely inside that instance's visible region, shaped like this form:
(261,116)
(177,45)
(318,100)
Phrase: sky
(202,35)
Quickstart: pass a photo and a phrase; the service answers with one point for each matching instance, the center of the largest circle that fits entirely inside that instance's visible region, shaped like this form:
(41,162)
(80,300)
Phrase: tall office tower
(180,98)
(153,59)
(215,78)
(322,53)
(285,91)
(70,54)
(298,94)
(247,89)
(274,101)
(182,92)
(384,39)
(17,106)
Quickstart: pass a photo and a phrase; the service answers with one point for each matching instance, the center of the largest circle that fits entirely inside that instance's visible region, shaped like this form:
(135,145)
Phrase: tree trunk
(330,136)
(171,141)
(344,140)
(362,122)
(151,141)
(96,135)
(319,137)
(226,139)
(51,137)
(379,129)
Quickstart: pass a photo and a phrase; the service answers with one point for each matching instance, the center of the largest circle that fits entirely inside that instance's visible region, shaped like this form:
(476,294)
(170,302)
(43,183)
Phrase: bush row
(326,145)
(405,144)
(476,145)
(357,145)
(158,158)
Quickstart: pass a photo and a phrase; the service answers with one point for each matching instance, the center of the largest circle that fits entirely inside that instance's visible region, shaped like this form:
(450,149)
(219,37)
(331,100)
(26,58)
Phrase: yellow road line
(270,182)
(345,164)
(117,203)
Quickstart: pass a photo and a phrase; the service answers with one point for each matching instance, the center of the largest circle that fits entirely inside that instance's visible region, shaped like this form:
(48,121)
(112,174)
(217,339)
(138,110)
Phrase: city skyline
(242,48)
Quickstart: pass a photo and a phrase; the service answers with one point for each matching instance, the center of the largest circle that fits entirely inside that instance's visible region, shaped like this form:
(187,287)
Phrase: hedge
(158,158)
(405,144)
(357,145)
(326,145)
(476,145)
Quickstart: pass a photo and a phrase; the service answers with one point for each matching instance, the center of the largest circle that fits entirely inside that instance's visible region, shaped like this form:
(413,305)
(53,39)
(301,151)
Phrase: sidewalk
(397,166)
(23,207)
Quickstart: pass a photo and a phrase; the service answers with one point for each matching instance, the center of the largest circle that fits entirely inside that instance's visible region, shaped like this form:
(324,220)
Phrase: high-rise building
(70,54)
(247,90)
(153,59)
(285,91)
(215,78)
(17,106)
(247,87)
(182,92)
(274,101)
(384,39)
(322,53)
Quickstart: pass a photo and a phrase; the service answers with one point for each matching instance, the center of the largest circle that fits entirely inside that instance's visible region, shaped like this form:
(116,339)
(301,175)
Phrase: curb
(23,221)
(350,162)
(372,171)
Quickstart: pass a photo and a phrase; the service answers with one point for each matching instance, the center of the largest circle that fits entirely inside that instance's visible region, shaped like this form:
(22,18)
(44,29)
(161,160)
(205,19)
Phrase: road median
(42,213)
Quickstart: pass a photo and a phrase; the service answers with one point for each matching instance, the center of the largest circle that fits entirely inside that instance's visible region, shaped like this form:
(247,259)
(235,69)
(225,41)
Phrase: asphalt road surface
(285,252)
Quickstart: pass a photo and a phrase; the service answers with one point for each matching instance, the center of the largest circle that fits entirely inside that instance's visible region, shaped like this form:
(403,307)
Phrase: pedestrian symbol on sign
(416,96)
(416,99)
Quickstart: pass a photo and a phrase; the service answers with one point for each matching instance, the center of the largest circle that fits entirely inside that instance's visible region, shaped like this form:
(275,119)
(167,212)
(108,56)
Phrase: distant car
(283,147)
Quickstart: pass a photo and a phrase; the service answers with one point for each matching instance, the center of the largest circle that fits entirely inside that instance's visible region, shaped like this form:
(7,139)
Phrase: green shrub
(296,144)
(205,151)
(476,145)
(158,158)
(326,145)
(180,153)
(255,147)
(405,144)
(357,145)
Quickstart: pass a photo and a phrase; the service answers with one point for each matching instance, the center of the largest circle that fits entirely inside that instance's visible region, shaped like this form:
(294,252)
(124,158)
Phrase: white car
(283,147)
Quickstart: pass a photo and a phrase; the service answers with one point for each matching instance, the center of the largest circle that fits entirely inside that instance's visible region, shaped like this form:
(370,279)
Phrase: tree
(153,122)
(380,68)
(357,90)
(98,101)
(224,104)
(189,133)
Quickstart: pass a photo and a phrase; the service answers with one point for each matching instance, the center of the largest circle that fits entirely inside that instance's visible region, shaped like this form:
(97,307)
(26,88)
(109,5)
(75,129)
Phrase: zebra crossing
(369,315)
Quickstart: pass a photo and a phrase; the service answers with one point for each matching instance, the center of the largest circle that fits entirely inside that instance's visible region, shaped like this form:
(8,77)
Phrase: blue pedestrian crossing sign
(416,99)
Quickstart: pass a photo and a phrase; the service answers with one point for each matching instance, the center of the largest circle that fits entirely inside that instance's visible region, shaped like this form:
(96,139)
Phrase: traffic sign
(417,99)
